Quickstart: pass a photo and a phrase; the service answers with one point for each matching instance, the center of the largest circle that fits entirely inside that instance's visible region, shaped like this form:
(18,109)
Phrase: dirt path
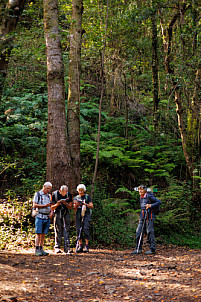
(173,274)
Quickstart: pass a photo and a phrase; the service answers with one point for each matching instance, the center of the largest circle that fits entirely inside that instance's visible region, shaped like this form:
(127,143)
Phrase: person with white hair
(41,202)
(83,206)
(61,205)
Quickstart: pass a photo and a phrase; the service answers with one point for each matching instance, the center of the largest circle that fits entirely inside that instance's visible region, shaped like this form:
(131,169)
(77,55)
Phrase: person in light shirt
(83,206)
(41,202)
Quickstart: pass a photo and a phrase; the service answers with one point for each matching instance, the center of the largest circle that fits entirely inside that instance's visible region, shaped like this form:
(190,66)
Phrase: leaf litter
(173,274)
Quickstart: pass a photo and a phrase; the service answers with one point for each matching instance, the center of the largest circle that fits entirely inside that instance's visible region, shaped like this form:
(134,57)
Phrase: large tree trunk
(10,13)
(58,157)
(73,115)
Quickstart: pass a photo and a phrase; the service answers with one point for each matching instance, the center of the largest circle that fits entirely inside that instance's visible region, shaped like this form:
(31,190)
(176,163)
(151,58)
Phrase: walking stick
(82,222)
(142,232)
(65,233)
(80,231)
(66,237)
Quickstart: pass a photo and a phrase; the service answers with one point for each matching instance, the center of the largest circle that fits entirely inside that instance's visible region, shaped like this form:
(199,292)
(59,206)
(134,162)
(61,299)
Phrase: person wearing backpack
(41,202)
(83,206)
(61,205)
(149,204)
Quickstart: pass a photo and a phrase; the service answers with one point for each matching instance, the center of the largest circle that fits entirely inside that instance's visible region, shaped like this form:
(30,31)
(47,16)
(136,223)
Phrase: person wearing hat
(148,203)
(83,206)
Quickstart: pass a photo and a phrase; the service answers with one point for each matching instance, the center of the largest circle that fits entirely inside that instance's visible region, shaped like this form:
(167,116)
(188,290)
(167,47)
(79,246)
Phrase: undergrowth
(114,220)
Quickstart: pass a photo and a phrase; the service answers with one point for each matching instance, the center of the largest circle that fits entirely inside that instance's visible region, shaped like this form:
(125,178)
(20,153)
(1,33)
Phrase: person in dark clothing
(83,206)
(147,217)
(61,205)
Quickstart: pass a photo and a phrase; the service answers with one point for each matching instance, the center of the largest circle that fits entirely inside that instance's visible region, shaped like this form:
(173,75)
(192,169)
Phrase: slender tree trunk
(73,115)
(126,107)
(196,107)
(100,109)
(167,38)
(9,17)
(182,129)
(196,99)
(155,63)
(58,157)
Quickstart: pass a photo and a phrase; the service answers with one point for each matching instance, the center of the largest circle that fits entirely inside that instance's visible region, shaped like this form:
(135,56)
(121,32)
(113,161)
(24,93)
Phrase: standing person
(61,204)
(147,217)
(41,201)
(83,206)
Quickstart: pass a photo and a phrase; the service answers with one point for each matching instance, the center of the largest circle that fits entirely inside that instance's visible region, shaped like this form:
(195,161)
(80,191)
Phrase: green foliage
(114,223)
(16,225)
(180,215)
(142,153)
(131,152)
(188,239)
(23,141)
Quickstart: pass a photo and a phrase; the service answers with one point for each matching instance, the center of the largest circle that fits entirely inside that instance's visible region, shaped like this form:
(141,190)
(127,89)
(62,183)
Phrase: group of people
(57,206)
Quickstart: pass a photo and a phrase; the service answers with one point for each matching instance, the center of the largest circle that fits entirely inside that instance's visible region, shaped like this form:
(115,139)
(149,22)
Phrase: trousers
(148,226)
(85,224)
(61,229)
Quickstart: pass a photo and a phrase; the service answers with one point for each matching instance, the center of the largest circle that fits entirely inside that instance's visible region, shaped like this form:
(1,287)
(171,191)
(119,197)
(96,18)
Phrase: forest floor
(173,274)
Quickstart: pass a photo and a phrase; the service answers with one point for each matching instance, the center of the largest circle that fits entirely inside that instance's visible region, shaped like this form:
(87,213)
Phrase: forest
(105,93)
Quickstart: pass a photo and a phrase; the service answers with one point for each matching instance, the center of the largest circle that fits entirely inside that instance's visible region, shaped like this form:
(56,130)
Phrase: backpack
(157,209)
(87,198)
(55,193)
(34,211)
(63,210)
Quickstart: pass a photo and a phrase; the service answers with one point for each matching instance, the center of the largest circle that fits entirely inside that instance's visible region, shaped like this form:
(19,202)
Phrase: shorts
(42,225)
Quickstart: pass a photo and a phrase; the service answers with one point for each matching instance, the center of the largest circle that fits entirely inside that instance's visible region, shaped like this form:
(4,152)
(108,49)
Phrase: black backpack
(157,209)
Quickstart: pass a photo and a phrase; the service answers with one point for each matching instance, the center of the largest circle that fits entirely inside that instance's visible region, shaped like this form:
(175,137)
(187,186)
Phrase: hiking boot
(57,250)
(44,253)
(79,249)
(86,249)
(136,252)
(38,253)
(150,252)
(68,252)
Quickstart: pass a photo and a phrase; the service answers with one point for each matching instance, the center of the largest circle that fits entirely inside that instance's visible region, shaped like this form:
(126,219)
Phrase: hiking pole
(66,237)
(79,236)
(82,222)
(65,233)
(142,232)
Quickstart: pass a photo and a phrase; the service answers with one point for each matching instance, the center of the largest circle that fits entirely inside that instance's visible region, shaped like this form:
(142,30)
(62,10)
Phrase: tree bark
(196,108)
(10,15)
(100,109)
(182,129)
(73,113)
(126,107)
(58,156)
(196,99)
(155,63)
(167,38)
